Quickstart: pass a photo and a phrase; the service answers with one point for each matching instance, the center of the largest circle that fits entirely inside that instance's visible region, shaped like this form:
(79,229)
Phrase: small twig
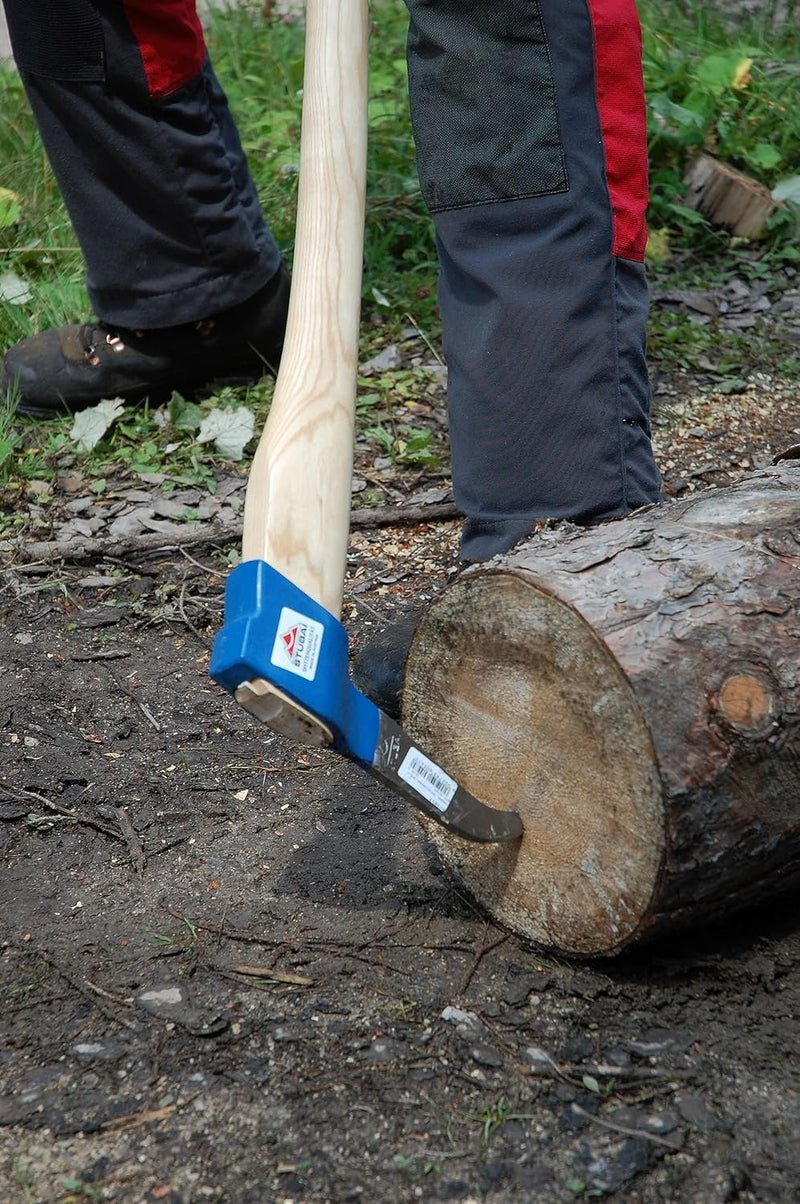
(164,848)
(145,1117)
(90,995)
(81,549)
(124,1003)
(221,931)
(17,794)
(204,567)
(573,1074)
(148,714)
(132,840)
(283,976)
(102,654)
(425,340)
(468,977)
(312,943)
(186,619)
(143,707)
(629,1132)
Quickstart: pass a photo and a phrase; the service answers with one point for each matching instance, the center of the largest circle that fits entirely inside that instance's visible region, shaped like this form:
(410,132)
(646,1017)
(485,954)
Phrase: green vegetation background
(713,80)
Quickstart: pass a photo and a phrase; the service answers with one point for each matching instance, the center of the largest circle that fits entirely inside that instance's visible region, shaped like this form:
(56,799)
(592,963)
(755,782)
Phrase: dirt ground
(233,970)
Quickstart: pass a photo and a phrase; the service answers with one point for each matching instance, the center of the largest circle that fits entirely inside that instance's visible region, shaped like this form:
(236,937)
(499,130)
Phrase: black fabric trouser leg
(147,156)
(544,305)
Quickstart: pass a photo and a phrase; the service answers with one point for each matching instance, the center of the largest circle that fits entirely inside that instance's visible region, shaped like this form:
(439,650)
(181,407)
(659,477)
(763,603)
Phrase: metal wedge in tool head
(284,658)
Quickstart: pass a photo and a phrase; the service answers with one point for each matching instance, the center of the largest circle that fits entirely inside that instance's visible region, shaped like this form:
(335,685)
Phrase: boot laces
(97,335)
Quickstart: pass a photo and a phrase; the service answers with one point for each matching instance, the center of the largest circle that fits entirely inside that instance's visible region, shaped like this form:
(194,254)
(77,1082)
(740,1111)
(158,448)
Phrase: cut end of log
(728,197)
(746,703)
(561,739)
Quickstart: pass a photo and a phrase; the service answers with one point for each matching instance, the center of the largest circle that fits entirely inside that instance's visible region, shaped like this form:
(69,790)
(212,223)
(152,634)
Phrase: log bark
(633,691)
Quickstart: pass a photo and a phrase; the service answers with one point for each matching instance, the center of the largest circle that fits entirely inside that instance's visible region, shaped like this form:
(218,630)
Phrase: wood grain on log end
(746,703)
(728,197)
(634,691)
(560,738)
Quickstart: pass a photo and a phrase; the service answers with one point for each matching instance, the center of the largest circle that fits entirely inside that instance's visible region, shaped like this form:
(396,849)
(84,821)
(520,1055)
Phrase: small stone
(384,361)
(384,1049)
(286,1034)
(484,1055)
(609,1174)
(617,1056)
(660,1041)
(497,1170)
(540,1060)
(517,991)
(662,1122)
(98,1051)
(578,1049)
(467,1024)
(695,1111)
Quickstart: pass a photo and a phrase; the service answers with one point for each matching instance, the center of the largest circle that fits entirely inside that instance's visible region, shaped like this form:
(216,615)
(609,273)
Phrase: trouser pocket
(483,102)
(60,39)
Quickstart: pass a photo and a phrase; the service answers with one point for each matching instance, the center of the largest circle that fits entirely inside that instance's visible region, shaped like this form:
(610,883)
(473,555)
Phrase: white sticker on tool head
(298,641)
(428,779)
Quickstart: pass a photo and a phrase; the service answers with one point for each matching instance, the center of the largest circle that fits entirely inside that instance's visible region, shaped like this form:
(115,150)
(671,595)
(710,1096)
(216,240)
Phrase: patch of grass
(78,1191)
(416,1166)
(22,1179)
(495,1115)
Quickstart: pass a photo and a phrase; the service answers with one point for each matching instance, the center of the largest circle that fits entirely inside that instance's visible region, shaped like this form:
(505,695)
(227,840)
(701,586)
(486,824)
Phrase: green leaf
(591,1083)
(691,216)
(379,434)
(6,450)
(184,415)
(787,190)
(10,207)
(677,122)
(718,72)
(700,102)
(763,154)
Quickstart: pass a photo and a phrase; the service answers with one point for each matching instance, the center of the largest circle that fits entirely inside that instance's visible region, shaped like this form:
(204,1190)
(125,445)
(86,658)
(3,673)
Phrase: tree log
(633,691)
(728,197)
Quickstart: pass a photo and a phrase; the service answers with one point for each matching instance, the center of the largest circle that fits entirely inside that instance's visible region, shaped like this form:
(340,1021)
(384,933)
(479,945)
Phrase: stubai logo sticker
(297,644)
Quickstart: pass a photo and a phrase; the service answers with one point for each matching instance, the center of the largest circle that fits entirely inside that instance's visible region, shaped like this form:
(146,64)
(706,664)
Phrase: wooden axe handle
(297,508)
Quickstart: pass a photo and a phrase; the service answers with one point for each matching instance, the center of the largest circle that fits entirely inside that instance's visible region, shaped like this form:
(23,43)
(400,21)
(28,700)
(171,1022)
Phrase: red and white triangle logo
(297,643)
(290,641)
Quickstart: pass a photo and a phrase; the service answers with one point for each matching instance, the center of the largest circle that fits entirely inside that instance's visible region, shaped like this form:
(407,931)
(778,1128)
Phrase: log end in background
(728,197)
(633,691)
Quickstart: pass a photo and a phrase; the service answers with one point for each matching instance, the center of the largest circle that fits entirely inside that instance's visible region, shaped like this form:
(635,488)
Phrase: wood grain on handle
(297,509)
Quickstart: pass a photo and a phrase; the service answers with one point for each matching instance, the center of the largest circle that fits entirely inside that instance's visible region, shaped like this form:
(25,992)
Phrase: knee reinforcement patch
(59,40)
(483,102)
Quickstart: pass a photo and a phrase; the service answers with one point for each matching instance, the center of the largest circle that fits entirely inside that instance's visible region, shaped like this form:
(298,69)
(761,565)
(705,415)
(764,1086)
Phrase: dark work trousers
(529,125)
(146,154)
(529,122)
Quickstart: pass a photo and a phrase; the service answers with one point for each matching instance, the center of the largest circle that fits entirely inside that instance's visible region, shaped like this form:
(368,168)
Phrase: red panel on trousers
(623,120)
(171,42)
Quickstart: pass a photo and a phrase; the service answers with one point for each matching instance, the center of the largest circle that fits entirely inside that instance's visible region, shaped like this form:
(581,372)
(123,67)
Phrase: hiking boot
(67,369)
(379,666)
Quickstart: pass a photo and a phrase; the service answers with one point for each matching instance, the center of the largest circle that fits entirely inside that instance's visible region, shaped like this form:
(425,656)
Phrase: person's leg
(146,154)
(152,171)
(531,148)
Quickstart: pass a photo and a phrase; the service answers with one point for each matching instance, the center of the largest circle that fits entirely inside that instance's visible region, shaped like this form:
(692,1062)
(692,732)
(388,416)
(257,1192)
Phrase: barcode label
(428,779)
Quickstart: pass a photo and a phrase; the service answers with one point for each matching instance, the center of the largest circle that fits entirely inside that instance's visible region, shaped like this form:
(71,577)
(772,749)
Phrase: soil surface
(234,970)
